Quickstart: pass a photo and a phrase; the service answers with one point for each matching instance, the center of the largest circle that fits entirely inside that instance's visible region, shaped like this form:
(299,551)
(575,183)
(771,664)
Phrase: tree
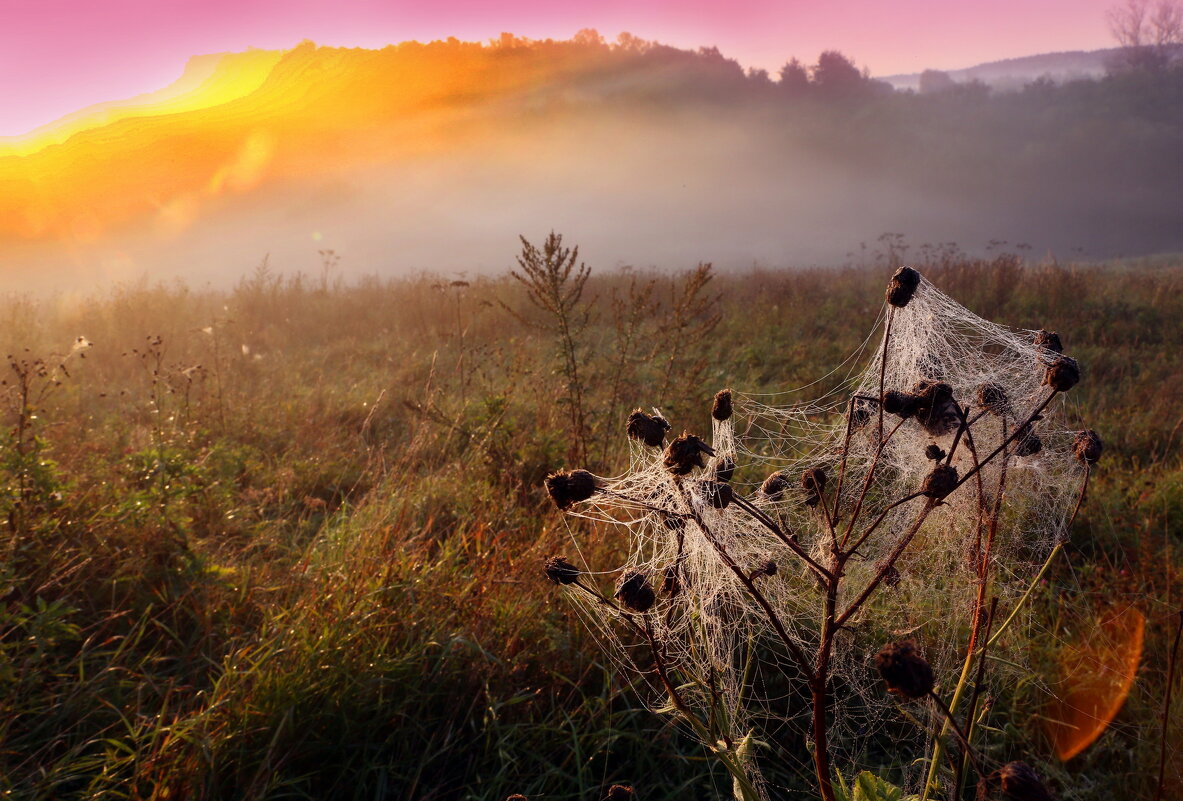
(932,81)
(1150,32)
(794,79)
(836,75)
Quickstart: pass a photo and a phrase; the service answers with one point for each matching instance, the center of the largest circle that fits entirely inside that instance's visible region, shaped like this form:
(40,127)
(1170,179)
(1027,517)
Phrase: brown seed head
(560,571)
(934,407)
(902,404)
(634,591)
(568,487)
(766,568)
(1028,443)
(934,452)
(685,453)
(902,286)
(1087,446)
(992,398)
(1048,340)
(647,429)
(1014,781)
(775,485)
(813,481)
(940,482)
(721,408)
(725,469)
(1062,374)
(904,670)
(620,792)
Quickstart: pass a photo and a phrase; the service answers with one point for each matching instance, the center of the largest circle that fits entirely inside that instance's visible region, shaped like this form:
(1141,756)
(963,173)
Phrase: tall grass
(282,540)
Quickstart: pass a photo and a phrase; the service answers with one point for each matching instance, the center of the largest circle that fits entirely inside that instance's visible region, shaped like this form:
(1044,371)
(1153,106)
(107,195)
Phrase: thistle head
(1029,443)
(634,592)
(725,469)
(685,453)
(647,429)
(766,568)
(940,482)
(1062,374)
(568,487)
(992,398)
(560,571)
(901,404)
(775,485)
(1087,446)
(1049,341)
(904,670)
(721,407)
(1014,781)
(902,286)
(813,481)
(934,452)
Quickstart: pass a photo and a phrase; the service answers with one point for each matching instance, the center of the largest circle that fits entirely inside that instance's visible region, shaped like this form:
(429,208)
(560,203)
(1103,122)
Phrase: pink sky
(57,56)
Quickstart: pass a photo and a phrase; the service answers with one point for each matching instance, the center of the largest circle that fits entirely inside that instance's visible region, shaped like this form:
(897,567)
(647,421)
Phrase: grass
(285,540)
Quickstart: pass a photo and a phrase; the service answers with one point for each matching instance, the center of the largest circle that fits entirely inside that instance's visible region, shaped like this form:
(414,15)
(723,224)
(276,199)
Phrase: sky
(58,56)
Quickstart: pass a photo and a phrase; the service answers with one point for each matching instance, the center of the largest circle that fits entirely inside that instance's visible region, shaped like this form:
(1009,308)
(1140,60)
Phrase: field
(285,540)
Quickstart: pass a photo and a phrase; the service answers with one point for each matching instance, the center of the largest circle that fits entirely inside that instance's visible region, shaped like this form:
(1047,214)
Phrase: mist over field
(648,156)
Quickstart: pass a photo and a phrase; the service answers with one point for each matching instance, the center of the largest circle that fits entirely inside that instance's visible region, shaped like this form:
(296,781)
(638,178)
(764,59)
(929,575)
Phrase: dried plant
(942,472)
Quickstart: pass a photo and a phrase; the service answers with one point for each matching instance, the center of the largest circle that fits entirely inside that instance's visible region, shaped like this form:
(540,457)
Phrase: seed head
(718,494)
(902,404)
(725,469)
(775,485)
(940,482)
(934,407)
(904,670)
(620,792)
(721,408)
(934,452)
(685,453)
(766,568)
(992,398)
(647,429)
(568,487)
(813,481)
(902,286)
(634,591)
(1014,781)
(1048,340)
(1062,374)
(1087,446)
(560,571)
(1029,443)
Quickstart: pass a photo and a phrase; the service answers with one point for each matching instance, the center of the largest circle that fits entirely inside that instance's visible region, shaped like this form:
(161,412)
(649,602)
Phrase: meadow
(285,540)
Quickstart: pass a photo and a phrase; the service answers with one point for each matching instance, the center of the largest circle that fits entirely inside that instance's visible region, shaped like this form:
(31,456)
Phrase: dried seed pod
(904,670)
(935,409)
(717,494)
(902,286)
(813,481)
(940,482)
(685,453)
(647,429)
(568,487)
(1062,374)
(766,568)
(1087,446)
(1048,340)
(721,408)
(902,404)
(560,571)
(992,398)
(775,485)
(1029,443)
(934,452)
(620,792)
(725,469)
(1014,781)
(634,591)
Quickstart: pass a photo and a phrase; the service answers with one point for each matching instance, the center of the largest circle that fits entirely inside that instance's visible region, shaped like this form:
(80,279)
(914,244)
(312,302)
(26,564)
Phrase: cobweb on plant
(682,532)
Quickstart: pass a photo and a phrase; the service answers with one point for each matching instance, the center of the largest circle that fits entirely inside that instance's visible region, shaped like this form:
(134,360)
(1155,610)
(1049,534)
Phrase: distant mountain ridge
(1014,73)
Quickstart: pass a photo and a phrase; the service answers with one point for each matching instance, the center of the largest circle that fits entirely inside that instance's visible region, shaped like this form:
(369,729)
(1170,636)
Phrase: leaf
(869,787)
